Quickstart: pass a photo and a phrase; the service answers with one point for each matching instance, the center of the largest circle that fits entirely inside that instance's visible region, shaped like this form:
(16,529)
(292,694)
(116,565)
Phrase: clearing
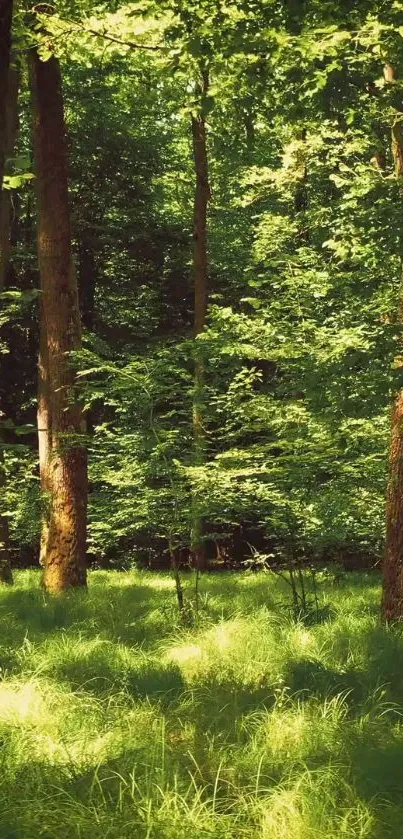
(115,722)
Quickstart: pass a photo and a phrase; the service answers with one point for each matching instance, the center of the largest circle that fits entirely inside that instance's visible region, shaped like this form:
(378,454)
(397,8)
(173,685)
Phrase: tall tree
(11,128)
(200,278)
(6,12)
(7,120)
(12,124)
(392,595)
(62,453)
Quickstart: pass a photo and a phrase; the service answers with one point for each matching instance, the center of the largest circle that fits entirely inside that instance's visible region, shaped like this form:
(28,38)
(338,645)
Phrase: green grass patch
(117,722)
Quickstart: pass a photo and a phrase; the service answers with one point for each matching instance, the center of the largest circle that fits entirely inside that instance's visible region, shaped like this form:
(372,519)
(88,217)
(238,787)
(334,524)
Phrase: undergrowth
(118,722)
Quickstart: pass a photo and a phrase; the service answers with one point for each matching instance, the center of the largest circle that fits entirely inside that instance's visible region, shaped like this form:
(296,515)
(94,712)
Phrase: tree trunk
(6,15)
(301,192)
(62,451)
(6,102)
(200,275)
(87,272)
(10,135)
(12,126)
(250,133)
(392,595)
(44,432)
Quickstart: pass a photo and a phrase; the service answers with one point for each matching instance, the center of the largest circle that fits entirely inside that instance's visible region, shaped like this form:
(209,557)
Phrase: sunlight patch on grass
(21,704)
(115,722)
(186,655)
(314,806)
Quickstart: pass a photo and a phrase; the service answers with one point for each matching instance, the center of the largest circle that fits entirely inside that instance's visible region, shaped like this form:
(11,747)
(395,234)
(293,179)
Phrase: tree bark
(6,102)
(62,451)
(392,594)
(44,424)
(200,276)
(87,271)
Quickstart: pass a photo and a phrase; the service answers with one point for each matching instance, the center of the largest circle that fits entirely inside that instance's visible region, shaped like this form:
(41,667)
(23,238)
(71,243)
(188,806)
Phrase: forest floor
(116,723)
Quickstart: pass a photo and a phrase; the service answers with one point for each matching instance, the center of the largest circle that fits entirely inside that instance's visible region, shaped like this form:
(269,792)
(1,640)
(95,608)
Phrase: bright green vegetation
(304,254)
(115,722)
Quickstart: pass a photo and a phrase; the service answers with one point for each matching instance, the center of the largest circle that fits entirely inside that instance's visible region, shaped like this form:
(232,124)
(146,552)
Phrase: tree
(11,129)
(63,462)
(279,438)
(392,595)
(7,120)
(6,15)
(200,278)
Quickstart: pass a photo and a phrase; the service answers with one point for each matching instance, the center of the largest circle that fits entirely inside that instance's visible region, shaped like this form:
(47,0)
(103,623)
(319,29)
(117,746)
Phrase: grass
(116,723)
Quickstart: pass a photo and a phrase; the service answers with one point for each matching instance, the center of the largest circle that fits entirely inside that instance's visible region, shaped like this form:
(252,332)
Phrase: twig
(106,36)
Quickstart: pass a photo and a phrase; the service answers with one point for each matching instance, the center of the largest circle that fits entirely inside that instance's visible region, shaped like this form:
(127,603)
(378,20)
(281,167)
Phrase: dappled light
(246,724)
(201,419)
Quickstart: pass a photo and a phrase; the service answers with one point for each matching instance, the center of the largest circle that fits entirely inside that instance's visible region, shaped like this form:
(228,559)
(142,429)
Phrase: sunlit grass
(116,721)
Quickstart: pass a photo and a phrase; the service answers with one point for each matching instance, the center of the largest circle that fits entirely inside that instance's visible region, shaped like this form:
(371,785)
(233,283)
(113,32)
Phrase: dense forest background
(300,104)
(201,290)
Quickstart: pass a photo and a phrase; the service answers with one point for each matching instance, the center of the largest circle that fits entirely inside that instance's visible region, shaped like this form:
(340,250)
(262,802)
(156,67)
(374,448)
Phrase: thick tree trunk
(392,596)
(200,275)
(63,455)
(6,125)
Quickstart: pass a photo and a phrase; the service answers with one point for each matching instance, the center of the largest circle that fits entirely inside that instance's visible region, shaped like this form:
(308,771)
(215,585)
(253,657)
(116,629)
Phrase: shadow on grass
(111,799)
(372,749)
(139,615)
(380,670)
(108,611)
(218,707)
(101,672)
(310,677)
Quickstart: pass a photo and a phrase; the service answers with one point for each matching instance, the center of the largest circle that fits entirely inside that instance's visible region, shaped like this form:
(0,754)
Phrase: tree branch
(79,26)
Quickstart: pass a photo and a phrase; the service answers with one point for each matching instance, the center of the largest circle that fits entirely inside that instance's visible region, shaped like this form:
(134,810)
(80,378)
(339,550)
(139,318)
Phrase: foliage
(304,251)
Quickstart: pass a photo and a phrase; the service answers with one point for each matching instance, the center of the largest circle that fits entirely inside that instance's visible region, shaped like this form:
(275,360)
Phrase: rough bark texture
(392,596)
(6,13)
(64,464)
(200,274)
(392,600)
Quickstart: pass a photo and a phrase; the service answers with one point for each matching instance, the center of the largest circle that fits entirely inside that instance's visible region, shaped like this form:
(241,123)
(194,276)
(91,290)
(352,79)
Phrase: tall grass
(116,722)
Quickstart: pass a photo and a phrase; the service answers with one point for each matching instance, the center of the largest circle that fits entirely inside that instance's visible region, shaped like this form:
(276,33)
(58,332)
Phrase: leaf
(16,181)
